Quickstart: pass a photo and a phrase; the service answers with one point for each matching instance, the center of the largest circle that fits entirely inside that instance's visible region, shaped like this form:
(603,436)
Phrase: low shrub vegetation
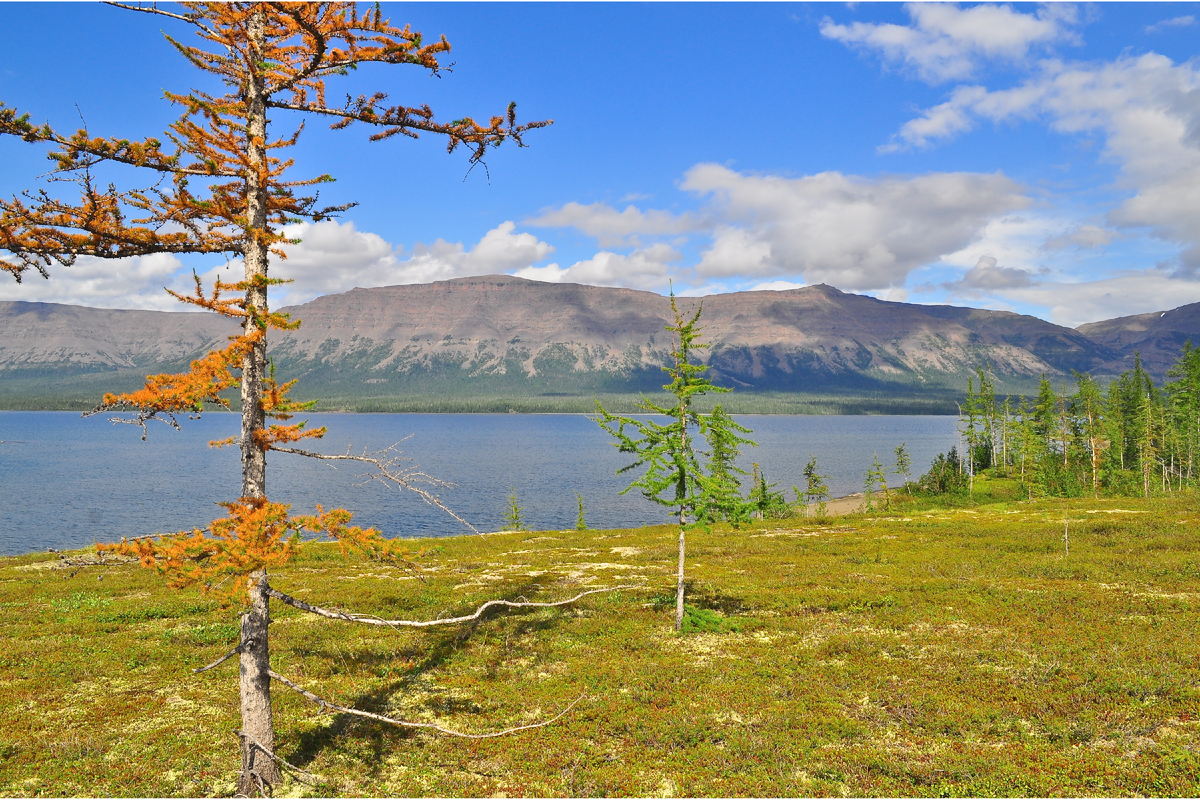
(926,650)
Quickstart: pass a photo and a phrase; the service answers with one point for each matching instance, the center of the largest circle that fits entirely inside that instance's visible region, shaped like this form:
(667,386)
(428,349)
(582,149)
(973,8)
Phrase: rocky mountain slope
(504,335)
(507,330)
(1157,336)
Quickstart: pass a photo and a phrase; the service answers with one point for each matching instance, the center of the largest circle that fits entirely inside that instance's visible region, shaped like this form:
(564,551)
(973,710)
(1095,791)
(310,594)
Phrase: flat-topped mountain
(500,335)
(566,335)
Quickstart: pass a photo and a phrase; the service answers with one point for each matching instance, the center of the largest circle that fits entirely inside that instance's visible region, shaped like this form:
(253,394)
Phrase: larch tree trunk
(259,770)
(260,773)
(679,579)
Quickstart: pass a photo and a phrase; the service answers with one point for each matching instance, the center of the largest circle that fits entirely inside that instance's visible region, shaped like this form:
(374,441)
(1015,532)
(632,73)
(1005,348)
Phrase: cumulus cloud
(946,42)
(331,257)
(988,276)
(614,228)
(1174,22)
(136,282)
(645,268)
(336,256)
(1146,108)
(854,233)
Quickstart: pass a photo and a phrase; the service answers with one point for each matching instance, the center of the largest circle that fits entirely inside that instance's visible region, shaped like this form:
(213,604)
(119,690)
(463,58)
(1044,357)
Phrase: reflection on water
(71,481)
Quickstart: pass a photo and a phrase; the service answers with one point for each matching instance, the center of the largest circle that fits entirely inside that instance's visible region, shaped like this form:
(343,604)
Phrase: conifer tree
(766,501)
(580,519)
(224,186)
(903,468)
(815,491)
(1183,392)
(674,475)
(1090,404)
(721,496)
(514,515)
(875,479)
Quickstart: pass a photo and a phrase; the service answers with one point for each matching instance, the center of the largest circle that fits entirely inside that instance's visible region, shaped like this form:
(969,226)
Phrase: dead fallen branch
(368,619)
(325,704)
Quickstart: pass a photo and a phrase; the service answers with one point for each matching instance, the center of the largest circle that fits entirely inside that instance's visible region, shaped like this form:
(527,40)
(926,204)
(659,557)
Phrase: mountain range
(506,336)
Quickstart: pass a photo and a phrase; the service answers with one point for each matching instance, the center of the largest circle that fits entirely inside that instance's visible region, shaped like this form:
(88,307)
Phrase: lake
(69,481)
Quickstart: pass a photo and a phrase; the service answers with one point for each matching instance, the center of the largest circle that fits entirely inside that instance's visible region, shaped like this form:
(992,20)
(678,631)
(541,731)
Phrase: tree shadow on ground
(701,594)
(426,657)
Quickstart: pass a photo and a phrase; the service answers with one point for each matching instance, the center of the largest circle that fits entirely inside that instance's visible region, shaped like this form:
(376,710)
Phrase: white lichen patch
(626,552)
(40,565)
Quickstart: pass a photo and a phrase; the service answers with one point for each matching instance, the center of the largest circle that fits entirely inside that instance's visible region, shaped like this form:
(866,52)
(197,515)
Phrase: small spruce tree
(721,498)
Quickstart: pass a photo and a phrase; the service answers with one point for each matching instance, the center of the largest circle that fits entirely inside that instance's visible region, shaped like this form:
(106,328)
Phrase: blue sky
(1043,159)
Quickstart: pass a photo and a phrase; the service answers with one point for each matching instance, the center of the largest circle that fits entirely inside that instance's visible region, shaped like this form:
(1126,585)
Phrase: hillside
(506,337)
(514,333)
(1157,336)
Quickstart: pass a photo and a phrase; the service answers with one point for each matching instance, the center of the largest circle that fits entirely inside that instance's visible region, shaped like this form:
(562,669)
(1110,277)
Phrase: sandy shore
(841,506)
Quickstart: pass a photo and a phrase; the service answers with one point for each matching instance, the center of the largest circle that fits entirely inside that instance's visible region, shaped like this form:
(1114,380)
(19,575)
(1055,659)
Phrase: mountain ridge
(502,335)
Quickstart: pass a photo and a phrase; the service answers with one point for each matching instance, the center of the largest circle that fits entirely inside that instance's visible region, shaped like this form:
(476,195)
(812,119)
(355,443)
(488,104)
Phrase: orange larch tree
(221,187)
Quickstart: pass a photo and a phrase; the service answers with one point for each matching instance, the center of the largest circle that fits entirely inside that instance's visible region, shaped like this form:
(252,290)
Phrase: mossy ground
(920,651)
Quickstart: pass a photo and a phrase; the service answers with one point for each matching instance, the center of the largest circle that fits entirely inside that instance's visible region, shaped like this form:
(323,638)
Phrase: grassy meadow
(924,650)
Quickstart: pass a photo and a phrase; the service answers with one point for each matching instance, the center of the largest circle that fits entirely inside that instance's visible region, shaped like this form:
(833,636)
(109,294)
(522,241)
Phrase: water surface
(70,481)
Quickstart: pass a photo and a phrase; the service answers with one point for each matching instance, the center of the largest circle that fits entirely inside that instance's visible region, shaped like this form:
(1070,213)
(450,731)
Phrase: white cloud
(988,276)
(646,268)
(1174,22)
(854,233)
(331,257)
(947,42)
(335,257)
(1134,292)
(776,286)
(1146,107)
(135,282)
(614,228)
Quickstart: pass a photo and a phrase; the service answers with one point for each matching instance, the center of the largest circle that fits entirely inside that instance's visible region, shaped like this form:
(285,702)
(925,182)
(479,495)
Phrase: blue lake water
(69,481)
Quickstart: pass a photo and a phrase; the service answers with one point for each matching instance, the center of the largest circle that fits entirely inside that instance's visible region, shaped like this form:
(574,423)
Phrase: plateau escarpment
(501,335)
(508,332)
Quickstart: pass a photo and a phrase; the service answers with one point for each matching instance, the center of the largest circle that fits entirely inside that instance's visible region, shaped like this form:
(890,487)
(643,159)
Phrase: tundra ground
(919,651)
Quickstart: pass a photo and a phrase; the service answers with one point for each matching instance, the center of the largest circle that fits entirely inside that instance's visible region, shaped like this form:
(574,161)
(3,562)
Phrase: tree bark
(254,256)
(260,773)
(679,580)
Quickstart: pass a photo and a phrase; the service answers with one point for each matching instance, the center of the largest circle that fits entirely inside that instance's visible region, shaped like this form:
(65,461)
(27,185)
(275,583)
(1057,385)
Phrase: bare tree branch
(386,471)
(154,9)
(235,651)
(325,704)
(368,619)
